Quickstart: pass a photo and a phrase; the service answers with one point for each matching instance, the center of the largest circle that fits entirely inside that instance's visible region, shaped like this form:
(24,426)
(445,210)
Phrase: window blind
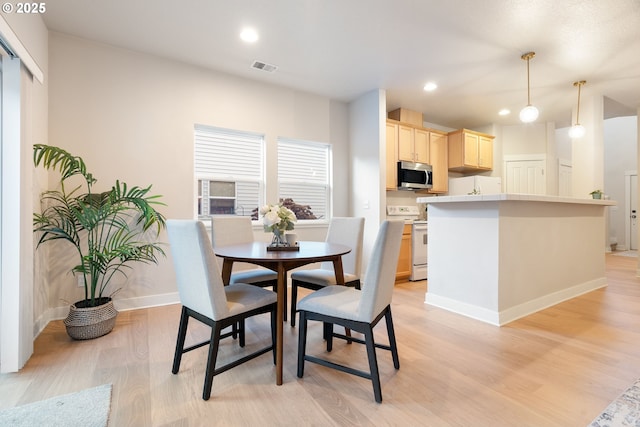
(304,174)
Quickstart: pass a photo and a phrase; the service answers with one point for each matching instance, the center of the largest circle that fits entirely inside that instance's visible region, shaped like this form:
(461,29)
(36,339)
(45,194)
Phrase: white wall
(131,117)
(620,157)
(367,133)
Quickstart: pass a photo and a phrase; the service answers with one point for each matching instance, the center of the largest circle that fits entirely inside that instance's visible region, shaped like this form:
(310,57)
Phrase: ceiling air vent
(258,65)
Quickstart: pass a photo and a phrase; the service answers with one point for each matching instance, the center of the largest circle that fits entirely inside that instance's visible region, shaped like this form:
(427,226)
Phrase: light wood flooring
(558,367)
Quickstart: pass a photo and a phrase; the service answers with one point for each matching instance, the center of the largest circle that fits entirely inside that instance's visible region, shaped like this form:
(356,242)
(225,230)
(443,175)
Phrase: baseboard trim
(502,317)
(57,313)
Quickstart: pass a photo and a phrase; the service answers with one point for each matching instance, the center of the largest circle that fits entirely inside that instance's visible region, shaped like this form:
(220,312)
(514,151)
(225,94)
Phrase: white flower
(271,218)
(277,217)
(265,209)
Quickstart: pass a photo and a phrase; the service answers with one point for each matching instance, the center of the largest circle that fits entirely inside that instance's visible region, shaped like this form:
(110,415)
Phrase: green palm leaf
(109,230)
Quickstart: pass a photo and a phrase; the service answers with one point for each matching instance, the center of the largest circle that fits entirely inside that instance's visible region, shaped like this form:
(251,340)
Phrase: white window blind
(230,160)
(304,171)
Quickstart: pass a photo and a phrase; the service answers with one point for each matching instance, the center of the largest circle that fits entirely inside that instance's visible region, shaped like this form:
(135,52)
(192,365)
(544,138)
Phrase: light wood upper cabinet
(485,152)
(421,145)
(413,144)
(405,143)
(470,151)
(392,156)
(439,154)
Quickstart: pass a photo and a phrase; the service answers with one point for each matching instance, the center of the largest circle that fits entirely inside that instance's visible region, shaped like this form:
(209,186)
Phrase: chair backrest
(348,232)
(380,276)
(198,276)
(231,230)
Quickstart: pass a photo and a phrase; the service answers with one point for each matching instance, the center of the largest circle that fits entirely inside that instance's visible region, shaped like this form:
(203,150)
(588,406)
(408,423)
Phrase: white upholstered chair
(234,230)
(205,298)
(358,310)
(342,230)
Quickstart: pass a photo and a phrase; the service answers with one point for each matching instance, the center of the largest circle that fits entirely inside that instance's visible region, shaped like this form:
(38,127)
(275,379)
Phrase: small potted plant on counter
(108,231)
(596,194)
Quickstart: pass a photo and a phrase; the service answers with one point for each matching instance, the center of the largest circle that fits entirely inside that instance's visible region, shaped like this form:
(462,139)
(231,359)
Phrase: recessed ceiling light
(249,35)
(504,112)
(430,86)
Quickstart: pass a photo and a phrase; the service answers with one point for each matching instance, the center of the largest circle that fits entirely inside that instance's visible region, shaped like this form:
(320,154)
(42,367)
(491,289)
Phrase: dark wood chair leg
(294,301)
(328,335)
(211,360)
(392,338)
(284,305)
(241,332)
(182,333)
(302,343)
(373,363)
(273,333)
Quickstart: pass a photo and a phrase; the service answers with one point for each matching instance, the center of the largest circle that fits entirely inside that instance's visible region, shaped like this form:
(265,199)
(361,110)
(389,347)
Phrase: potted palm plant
(108,231)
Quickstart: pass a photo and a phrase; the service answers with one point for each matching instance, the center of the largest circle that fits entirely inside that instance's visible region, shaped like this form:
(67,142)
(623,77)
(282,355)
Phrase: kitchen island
(500,257)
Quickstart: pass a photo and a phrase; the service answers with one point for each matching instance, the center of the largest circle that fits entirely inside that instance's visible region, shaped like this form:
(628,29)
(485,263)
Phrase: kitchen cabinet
(470,151)
(417,144)
(407,116)
(403,271)
(439,153)
(413,144)
(392,156)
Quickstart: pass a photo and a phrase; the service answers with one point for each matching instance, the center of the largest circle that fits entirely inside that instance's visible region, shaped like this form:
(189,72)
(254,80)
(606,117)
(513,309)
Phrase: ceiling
(344,48)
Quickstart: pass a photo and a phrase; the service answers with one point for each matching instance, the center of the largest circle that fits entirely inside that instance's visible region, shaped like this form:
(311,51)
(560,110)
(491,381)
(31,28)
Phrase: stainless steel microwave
(414,176)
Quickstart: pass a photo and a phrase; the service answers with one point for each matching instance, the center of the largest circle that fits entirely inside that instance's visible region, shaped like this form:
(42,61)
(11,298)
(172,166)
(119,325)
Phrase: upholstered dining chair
(205,298)
(358,310)
(342,230)
(235,230)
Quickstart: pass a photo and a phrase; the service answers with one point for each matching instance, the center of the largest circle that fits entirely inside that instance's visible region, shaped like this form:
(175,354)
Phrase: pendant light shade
(529,113)
(577,130)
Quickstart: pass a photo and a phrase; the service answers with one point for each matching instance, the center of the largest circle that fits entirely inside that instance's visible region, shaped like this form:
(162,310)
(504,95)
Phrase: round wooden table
(281,262)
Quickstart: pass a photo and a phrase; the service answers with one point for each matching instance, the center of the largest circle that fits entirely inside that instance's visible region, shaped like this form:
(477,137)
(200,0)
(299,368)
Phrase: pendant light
(529,113)
(577,130)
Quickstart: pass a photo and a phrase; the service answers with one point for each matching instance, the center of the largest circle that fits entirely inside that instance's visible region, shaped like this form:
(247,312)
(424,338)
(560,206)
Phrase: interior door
(525,176)
(633,212)
(564,179)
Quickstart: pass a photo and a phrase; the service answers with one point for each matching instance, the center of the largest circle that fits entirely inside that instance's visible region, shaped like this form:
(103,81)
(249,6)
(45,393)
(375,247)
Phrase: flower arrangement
(277,219)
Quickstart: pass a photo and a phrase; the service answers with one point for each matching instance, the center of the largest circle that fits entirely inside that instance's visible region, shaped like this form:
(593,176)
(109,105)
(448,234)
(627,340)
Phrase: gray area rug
(633,254)
(86,408)
(622,412)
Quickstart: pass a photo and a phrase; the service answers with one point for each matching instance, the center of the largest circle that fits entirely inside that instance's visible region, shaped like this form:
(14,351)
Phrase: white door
(564,178)
(633,212)
(526,176)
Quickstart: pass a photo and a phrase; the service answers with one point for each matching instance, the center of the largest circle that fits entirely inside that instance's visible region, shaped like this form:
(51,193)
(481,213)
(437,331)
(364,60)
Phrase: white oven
(418,250)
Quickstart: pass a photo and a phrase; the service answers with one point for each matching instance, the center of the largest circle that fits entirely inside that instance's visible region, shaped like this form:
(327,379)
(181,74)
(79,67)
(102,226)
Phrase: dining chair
(342,230)
(234,230)
(205,298)
(358,310)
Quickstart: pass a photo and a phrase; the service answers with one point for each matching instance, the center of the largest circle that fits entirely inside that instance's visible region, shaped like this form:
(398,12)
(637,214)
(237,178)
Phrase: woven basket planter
(85,323)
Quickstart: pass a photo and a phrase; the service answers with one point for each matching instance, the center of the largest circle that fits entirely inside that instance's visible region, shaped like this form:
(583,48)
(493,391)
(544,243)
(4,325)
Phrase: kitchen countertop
(514,197)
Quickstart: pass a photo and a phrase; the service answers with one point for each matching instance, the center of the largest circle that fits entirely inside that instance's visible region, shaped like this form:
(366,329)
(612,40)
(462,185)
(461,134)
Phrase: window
(229,171)
(304,171)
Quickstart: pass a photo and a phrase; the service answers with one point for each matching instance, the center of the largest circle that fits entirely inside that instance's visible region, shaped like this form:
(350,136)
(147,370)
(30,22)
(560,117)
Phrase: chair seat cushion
(253,276)
(337,301)
(242,297)
(320,276)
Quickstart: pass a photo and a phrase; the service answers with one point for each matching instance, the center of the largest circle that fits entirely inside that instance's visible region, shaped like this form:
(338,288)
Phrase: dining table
(281,260)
